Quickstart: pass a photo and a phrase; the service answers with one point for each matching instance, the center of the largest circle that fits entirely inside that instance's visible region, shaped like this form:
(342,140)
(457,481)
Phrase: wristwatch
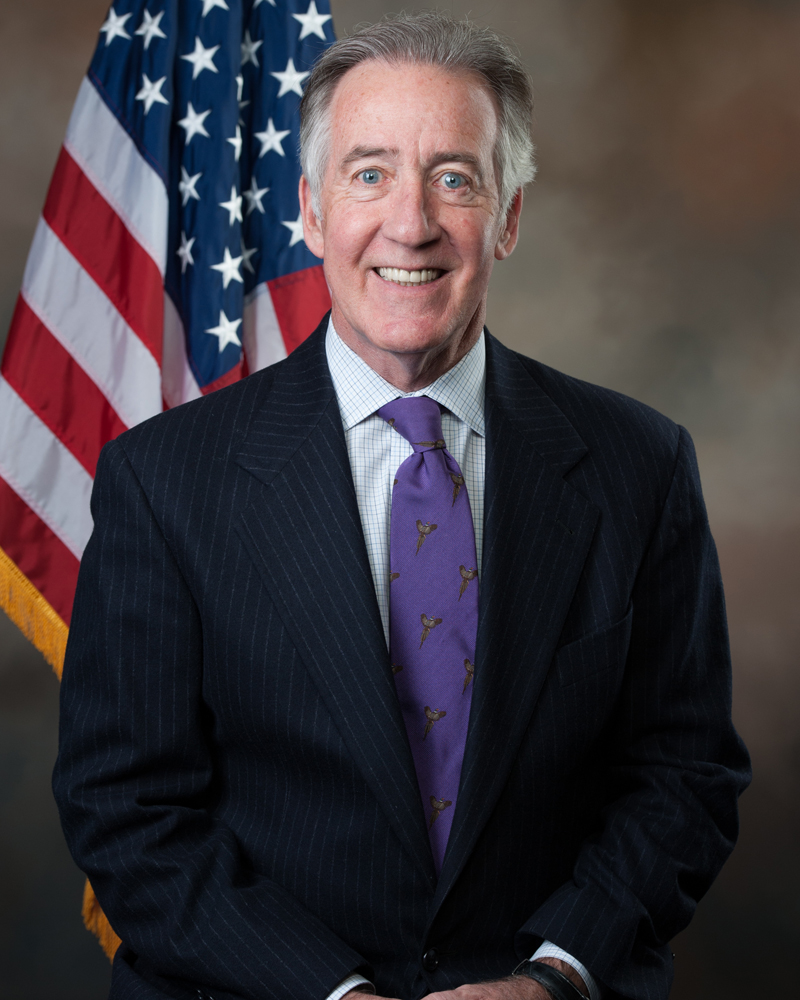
(556,984)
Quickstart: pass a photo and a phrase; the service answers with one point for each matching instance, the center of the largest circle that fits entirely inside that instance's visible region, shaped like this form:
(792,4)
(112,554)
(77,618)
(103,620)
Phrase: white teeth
(401,277)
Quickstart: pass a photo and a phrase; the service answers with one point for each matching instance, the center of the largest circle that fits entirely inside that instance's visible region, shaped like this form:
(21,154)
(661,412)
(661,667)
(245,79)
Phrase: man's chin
(406,337)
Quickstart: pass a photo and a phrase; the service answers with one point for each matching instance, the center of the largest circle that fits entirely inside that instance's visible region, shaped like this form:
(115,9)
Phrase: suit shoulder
(602,415)
(200,425)
(219,421)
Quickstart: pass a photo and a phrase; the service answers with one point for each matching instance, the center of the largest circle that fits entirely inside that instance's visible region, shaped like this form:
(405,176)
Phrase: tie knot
(418,419)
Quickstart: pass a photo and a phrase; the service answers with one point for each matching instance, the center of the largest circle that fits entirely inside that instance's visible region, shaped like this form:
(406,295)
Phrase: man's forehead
(377,105)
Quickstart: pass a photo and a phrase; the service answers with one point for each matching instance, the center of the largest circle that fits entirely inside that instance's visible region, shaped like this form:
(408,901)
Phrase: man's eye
(453,181)
(370,176)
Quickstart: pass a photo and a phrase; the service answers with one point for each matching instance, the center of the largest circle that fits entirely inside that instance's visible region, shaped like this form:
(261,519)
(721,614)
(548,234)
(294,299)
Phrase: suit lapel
(304,534)
(537,532)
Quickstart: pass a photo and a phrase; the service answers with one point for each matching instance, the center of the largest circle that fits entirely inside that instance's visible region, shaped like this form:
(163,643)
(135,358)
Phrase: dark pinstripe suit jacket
(234,774)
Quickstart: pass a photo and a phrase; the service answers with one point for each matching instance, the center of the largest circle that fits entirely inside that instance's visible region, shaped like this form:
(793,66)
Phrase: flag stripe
(95,235)
(81,316)
(227,378)
(37,552)
(178,384)
(261,334)
(108,156)
(43,472)
(300,299)
(57,389)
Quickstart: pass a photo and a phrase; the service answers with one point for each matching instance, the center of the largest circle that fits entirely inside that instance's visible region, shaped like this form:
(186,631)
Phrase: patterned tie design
(433,618)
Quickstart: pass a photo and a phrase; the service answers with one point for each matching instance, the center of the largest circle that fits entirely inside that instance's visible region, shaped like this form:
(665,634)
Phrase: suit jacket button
(430,960)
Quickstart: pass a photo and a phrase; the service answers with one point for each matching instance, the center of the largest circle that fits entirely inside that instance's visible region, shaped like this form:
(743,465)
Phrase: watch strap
(556,984)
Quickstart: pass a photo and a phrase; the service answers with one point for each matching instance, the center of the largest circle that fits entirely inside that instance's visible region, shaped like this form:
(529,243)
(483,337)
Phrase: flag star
(312,21)
(271,139)
(256,4)
(296,229)
(211,4)
(226,331)
(193,123)
(242,105)
(254,196)
(228,268)
(290,79)
(234,207)
(151,92)
(236,142)
(184,251)
(114,26)
(246,255)
(149,28)
(249,49)
(201,58)
(186,186)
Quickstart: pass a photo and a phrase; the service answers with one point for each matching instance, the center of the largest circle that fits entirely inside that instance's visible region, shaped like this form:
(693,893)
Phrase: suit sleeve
(675,763)
(135,784)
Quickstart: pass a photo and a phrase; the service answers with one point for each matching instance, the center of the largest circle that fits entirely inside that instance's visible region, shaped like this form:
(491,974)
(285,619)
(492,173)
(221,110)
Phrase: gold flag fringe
(38,621)
(32,614)
(97,922)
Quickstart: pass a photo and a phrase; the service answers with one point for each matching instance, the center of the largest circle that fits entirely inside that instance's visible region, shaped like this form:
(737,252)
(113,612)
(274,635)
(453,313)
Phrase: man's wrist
(558,984)
(351,984)
(569,966)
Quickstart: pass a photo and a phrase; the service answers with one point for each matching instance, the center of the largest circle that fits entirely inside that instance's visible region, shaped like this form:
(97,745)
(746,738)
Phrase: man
(401,663)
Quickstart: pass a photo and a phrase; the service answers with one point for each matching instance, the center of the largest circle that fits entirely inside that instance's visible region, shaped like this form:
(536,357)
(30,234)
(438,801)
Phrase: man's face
(410,187)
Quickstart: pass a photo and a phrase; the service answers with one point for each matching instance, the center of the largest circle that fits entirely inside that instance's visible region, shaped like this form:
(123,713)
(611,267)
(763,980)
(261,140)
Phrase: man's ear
(312,231)
(508,237)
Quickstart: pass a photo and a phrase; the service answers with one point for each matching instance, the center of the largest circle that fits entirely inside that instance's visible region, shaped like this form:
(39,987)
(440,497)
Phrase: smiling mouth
(400,277)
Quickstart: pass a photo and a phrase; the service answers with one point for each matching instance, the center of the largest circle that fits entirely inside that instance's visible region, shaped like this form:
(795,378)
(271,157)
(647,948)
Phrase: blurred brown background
(659,257)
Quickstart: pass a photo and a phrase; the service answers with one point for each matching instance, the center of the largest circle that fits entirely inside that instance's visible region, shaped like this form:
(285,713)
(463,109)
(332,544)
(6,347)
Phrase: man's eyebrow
(456,157)
(364,152)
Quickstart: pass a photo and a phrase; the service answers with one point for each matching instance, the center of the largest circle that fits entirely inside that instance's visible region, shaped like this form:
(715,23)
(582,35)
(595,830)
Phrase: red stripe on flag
(39,554)
(300,300)
(57,389)
(231,375)
(96,236)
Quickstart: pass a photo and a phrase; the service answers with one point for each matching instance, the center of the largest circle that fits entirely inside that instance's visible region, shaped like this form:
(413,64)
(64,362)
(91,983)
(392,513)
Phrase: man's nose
(411,217)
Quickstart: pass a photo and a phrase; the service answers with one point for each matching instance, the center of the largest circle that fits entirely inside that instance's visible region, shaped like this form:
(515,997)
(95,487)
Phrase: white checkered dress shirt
(376,453)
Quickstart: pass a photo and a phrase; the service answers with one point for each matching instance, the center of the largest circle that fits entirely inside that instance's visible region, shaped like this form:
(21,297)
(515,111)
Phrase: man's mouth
(401,277)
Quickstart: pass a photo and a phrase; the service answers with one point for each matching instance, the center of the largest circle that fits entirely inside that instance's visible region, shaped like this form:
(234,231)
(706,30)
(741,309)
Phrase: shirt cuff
(549,950)
(351,983)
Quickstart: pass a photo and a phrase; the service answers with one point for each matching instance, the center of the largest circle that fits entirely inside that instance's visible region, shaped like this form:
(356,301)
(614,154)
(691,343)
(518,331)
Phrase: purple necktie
(433,616)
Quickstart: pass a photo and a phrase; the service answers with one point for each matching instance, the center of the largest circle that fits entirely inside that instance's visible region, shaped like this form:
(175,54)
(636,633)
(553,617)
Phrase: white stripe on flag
(108,156)
(178,384)
(261,334)
(83,319)
(43,472)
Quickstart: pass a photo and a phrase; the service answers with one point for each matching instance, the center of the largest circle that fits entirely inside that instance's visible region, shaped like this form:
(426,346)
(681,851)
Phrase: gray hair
(430,38)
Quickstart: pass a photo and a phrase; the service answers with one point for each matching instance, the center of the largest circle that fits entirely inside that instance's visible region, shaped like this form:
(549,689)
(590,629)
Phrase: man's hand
(511,988)
(364,995)
(514,987)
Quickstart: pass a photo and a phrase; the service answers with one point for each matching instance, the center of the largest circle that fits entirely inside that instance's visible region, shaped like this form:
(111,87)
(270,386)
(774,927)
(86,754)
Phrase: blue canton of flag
(209,91)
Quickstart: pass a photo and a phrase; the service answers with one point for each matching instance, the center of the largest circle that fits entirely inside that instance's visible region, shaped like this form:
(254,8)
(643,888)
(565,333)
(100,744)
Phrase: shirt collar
(360,390)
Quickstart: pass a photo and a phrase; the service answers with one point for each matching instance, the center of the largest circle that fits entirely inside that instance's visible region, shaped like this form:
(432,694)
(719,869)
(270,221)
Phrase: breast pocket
(595,654)
(580,694)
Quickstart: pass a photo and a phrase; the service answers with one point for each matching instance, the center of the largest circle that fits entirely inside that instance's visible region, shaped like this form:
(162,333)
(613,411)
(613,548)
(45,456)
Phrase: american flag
(168,262)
